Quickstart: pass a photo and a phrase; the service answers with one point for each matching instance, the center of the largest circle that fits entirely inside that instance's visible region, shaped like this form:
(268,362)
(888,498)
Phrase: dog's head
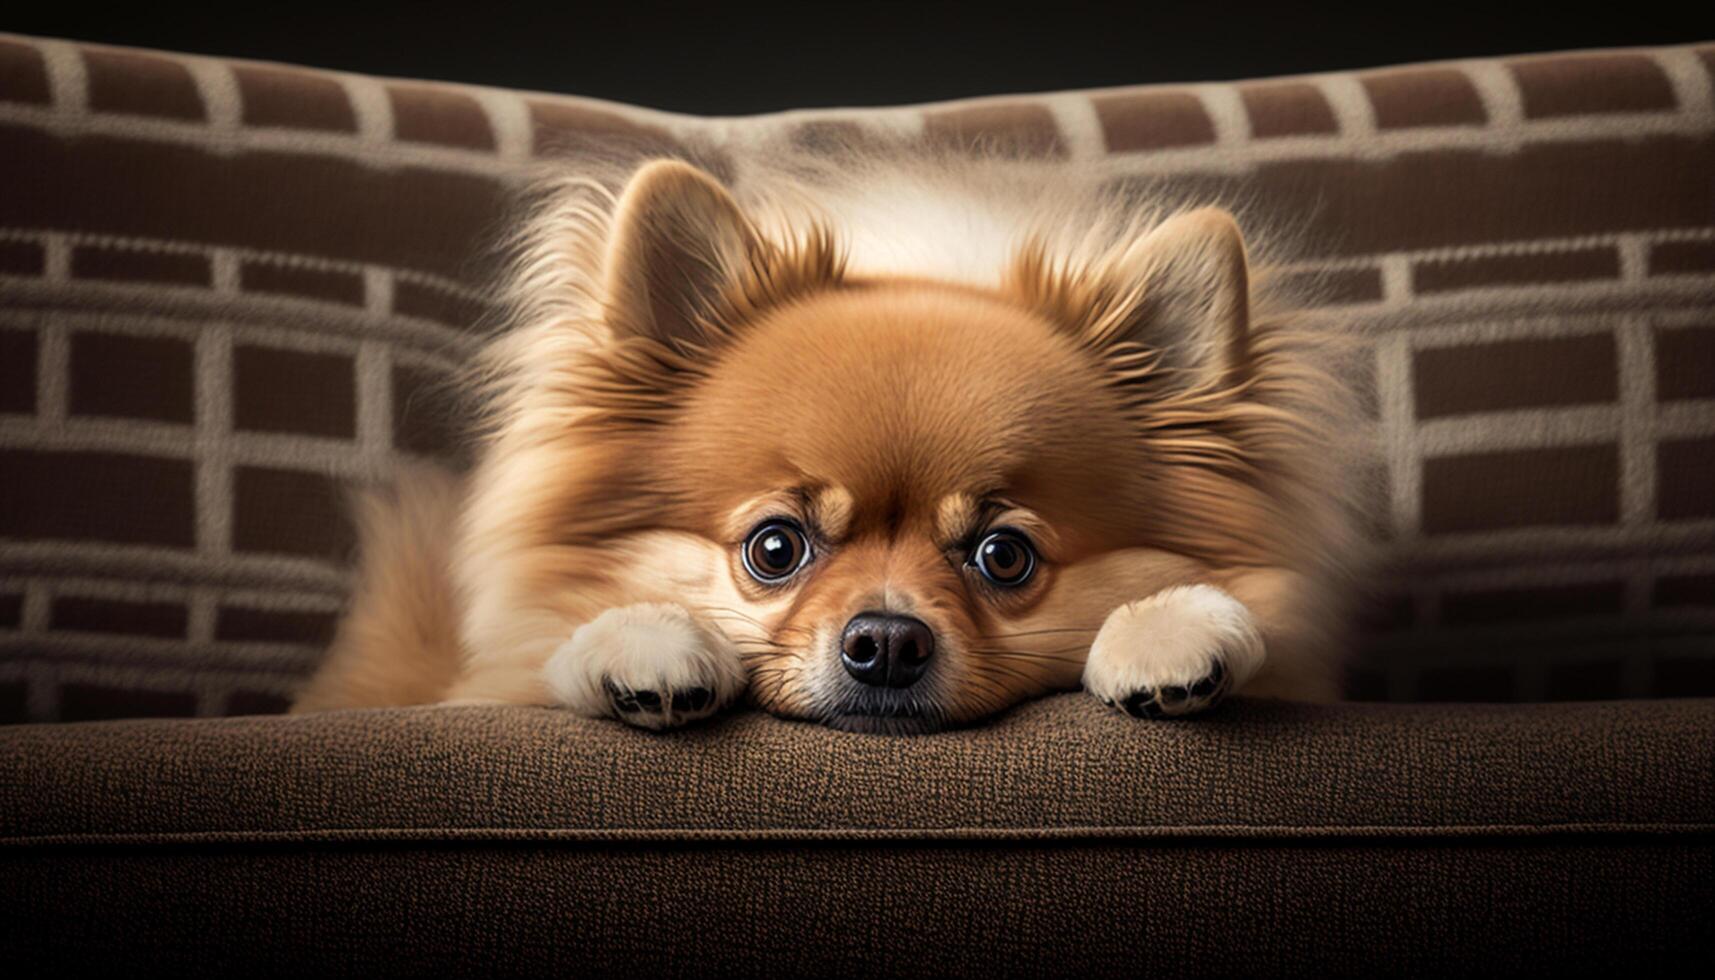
(912,503)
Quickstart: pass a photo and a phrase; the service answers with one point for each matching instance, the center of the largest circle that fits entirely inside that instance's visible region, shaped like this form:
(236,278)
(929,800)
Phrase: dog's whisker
(992,672)
(1051,656)
(1014,663)
(1040,632)
(733,614)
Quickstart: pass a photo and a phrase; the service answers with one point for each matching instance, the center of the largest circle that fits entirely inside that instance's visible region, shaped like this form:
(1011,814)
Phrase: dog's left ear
(1182,291)
(679,243)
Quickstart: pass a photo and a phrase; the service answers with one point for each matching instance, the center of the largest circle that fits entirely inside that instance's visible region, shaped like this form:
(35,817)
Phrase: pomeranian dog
(890,448)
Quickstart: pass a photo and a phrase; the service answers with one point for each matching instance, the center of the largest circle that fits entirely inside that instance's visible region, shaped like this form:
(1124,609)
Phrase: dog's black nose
(886,650)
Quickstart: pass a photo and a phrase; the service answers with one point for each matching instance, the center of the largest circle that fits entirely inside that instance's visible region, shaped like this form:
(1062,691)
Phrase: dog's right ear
(679,243)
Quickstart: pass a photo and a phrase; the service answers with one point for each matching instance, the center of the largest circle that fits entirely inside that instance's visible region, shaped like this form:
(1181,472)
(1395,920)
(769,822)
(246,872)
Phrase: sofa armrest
(1346,838)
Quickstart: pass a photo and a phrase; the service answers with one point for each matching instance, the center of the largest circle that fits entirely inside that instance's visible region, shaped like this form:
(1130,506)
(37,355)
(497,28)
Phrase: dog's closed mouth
(882,724)
(885,711)
(883,718)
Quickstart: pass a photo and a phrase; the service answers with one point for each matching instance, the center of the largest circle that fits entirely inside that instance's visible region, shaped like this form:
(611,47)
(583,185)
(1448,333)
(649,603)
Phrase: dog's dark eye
(1005,558)
(775,550)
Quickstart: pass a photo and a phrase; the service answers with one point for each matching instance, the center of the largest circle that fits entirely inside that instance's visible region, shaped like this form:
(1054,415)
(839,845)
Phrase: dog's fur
(896,358)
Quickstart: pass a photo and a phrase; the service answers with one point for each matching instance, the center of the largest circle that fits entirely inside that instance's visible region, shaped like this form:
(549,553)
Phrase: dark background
(720,58)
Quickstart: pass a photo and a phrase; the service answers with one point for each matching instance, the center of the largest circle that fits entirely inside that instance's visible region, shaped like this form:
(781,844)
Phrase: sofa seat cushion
(1060,767)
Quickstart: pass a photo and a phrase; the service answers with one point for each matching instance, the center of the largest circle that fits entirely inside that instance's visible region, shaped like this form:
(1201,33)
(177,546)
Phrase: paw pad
(1175,701)
(653,709)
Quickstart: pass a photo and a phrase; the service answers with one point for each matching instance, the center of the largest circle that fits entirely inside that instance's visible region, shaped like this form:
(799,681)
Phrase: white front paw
(1175,653)
(651,665)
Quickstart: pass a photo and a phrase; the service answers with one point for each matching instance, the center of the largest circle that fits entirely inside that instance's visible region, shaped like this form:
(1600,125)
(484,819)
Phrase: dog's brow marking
(955,517)
(831,511)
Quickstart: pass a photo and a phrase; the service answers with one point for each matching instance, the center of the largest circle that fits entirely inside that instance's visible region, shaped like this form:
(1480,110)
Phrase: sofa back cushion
(229,290)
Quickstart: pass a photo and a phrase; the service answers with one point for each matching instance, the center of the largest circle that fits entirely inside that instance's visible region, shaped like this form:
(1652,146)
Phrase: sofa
(231,291)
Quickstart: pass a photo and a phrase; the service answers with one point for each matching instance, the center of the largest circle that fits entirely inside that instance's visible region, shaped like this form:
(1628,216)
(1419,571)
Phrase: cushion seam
(854,834)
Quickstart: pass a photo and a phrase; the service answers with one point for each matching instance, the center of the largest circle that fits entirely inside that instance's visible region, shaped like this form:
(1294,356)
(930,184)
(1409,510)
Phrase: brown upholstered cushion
(228,289)
(1267,839)
(1061,767)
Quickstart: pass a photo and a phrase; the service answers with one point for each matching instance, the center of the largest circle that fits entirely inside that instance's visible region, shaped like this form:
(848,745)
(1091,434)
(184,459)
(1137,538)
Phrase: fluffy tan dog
(888,450)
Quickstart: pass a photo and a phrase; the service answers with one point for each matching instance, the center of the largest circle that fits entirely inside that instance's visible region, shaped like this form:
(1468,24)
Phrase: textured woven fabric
(1266,839)
(1064,766)
(227,289)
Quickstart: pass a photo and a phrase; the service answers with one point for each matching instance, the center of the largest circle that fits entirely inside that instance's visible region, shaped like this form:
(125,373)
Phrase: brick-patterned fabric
(227,289)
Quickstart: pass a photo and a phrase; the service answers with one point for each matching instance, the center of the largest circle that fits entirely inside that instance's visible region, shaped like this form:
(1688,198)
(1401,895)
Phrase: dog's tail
(399,641)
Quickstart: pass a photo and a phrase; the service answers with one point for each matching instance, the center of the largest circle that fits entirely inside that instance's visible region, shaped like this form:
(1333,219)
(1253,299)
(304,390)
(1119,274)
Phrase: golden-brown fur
(688,362)
(399,643)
